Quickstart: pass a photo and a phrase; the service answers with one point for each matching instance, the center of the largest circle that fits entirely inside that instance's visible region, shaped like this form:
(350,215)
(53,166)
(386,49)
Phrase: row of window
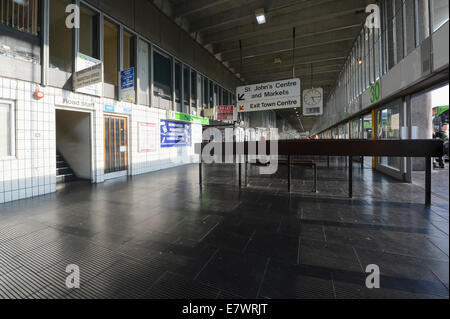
(404,25)
(171,78)
(21,15)
(387,125)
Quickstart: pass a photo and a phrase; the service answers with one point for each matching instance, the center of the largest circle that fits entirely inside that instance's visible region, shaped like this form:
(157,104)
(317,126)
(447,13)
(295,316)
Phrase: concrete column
(421,118)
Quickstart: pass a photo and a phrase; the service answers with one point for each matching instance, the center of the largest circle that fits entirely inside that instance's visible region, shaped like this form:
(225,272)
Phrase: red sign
(225,113)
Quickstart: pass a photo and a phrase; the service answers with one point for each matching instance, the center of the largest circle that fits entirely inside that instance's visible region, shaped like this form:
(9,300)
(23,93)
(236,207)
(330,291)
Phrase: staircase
(64,173)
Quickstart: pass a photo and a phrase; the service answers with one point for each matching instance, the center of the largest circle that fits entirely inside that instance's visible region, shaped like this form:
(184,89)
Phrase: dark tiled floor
(158,236)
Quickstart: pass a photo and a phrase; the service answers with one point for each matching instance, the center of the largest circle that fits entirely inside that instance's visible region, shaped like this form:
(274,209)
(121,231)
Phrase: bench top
(394,148)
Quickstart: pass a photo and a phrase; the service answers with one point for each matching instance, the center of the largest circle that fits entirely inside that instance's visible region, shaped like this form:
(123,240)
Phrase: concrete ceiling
(325,33)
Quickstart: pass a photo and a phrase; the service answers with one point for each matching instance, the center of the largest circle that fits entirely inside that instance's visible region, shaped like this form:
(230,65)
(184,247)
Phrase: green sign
(177,116)
(375,92)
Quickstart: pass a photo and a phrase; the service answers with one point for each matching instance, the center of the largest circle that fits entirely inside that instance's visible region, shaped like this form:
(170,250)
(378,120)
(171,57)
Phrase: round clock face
(312,97)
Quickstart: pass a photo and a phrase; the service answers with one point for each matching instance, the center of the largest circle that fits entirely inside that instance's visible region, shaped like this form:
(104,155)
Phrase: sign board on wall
(226,113)
(88,78)
(187,118)
(175,134)
(269,96)
(127,80)
(147,137)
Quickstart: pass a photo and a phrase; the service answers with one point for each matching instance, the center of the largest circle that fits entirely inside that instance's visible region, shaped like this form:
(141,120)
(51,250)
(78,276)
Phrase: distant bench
(350,148)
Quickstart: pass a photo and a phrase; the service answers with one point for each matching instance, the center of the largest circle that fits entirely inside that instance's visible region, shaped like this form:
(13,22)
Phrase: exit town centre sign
(269,96)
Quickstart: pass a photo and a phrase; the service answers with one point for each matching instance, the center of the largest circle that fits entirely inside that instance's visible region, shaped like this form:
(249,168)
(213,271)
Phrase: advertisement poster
(147,137)
(226,113)
(175,134)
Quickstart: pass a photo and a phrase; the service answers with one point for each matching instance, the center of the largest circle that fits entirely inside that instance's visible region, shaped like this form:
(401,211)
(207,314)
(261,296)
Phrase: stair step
(64,178)
(61,164)
(63,171)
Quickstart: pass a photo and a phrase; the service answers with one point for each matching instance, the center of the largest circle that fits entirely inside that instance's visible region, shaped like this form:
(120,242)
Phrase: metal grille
(22,15)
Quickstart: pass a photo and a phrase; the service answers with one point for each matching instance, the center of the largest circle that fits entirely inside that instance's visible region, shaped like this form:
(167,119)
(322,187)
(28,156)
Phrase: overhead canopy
(325,33)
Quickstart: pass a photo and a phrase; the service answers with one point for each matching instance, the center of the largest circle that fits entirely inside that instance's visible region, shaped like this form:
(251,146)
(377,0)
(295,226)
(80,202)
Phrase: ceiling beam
(286,45)
(190,7)
(246,13)
(340,48)
(306,72)
(316,14)
(300,67)
(330,56)
(351,23)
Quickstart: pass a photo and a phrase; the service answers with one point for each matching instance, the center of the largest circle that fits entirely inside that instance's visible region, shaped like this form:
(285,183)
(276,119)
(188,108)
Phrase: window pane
(178,83)
(5,130)
(162,73)
(377,49)
(128,50)
(389,129)
(186,85)
(410,27)
(88,32)
(205,93)
(440,13)
(423,20)
(194,88)
(21,15)
(390,33)
(211,94)
(111,48)
(399,29)
(226,100)
(61,48)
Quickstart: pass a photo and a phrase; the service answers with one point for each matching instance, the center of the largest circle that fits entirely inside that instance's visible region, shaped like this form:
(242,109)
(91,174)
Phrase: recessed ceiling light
(260,16)
(360,62)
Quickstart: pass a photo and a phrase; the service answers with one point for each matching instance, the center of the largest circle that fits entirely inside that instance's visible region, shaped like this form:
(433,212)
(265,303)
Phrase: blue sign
(127,79)
(109,108)
(175,134)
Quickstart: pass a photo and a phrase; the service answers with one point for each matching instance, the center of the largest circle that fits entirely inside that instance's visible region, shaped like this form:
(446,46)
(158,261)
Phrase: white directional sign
(269,96)
(89,76)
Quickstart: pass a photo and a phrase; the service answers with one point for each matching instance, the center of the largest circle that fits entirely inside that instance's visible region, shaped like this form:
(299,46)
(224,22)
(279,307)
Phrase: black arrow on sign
(241,97)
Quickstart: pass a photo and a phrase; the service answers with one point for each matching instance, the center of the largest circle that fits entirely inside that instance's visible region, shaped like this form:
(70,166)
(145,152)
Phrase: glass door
(116,144)
(388,127)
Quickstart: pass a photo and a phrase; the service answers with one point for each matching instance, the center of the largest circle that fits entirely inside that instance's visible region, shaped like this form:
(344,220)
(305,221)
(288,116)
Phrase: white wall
(32,172)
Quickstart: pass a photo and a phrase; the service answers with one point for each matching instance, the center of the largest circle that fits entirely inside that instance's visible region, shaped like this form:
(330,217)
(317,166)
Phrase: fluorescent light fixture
(260,16)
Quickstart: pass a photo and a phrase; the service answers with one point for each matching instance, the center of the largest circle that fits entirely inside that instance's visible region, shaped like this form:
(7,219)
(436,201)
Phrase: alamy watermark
(373,21)
(73,279)
(373,279)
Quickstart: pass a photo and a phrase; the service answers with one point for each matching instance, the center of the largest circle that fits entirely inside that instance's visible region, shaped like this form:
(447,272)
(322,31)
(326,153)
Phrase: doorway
(73,145)
(116,145)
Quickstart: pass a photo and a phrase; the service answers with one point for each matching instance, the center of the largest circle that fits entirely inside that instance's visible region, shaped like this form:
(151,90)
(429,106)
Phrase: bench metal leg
(289,173)
(328,161)
(240,173)
(200,171)
(350,177)
(315,179)
(246,172)
(428,181)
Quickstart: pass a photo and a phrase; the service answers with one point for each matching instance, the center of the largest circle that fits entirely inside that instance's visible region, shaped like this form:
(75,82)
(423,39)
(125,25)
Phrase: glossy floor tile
(161,236)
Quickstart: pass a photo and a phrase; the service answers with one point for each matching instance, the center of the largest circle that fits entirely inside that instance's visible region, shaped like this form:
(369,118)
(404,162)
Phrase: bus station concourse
(224,149)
